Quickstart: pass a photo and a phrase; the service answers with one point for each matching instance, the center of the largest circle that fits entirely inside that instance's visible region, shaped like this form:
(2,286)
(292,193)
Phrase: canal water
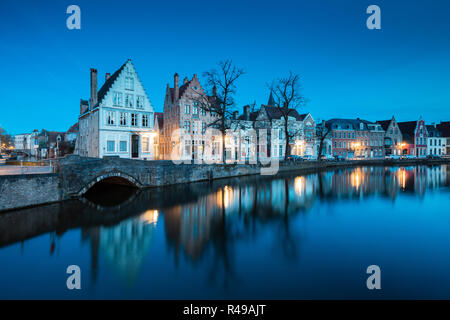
(285,237)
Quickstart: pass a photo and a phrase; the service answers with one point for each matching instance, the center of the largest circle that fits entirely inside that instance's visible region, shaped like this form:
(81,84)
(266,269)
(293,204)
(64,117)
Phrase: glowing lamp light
(150,216)
(299,185)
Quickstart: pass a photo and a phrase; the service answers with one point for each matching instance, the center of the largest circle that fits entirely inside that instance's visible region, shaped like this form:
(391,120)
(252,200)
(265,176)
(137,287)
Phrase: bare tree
(5,139)
(220,104)
(322,132)
(288,99)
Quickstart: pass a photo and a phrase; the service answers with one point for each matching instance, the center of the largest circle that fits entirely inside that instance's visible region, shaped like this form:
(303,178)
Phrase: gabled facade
(415,137)
(186,123)
(444,129)
(119,118)
(393,138)
(301,128)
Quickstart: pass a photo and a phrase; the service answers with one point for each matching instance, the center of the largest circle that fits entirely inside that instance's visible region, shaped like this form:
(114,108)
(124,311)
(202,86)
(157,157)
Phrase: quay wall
(76,175)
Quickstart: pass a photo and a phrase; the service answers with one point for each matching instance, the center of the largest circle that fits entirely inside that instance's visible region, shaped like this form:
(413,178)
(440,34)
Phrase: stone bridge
(78,174)
(75,175)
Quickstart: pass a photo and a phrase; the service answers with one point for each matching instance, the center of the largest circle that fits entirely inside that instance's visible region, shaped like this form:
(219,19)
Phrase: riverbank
(76,175)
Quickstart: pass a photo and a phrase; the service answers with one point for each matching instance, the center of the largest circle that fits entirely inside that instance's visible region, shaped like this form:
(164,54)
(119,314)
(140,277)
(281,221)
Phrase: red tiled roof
(73,129)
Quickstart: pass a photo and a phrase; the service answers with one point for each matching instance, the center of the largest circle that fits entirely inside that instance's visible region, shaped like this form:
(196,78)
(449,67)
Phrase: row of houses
(119,120)
(47,144)
(357,138)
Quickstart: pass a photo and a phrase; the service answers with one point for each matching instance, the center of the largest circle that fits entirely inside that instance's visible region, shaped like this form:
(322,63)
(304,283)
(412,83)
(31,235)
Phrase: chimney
(81,106)
(214,90)
(185,80)
(93,87)
(107,75)
(176,87)
(247,112)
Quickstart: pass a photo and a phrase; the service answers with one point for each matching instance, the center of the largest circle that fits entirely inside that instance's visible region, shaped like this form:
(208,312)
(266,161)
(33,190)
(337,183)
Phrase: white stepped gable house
(118,120)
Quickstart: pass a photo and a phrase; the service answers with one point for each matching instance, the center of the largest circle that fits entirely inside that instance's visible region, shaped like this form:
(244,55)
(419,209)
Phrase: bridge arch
(113,177)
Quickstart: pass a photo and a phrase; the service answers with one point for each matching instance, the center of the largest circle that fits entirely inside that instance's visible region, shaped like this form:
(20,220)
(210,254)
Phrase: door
(135,146)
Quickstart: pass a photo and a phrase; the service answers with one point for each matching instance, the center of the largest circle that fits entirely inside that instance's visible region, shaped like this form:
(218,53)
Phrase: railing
(28,167)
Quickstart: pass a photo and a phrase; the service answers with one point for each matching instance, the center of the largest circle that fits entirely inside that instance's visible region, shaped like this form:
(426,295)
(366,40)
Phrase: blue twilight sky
(346,69)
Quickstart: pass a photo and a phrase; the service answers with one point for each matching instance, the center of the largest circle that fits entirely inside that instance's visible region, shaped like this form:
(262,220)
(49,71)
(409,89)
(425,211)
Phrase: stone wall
(18,191)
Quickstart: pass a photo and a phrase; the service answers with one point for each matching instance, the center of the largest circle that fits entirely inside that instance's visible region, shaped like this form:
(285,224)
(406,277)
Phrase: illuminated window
(146,144)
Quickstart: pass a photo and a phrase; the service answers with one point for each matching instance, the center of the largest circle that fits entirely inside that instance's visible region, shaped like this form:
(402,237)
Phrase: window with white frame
(110,118)
(194,127)
(145,120)
(187,109)
(195,108)
(203,127)
(123,146)
(129,100)
(134,119)
(117,98)
(140,102)
(187,127)
(129,83)
(110,146)
(146,144)
(123,119)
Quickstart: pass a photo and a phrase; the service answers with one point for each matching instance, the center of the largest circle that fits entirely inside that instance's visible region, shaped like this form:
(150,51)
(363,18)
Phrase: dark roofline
(108,83)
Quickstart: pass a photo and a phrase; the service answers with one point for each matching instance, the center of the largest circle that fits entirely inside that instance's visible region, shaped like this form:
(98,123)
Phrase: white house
(435,141)
(119,118)
(22,142)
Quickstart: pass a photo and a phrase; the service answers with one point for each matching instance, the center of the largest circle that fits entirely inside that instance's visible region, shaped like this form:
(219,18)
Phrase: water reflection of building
(190,227)
(211,217)
(437,176)
(124,246)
